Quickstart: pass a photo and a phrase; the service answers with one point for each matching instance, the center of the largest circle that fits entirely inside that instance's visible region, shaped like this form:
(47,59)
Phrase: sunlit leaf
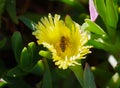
(2,82)
(101,8)
(45,54)
(69,22)
(92,27)
(111,14)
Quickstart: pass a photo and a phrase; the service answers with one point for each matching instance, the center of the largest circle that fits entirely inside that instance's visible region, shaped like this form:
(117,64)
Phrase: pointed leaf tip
(68,21)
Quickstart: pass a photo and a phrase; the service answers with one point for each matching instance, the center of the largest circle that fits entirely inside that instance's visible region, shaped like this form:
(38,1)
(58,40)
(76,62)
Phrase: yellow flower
(67,45)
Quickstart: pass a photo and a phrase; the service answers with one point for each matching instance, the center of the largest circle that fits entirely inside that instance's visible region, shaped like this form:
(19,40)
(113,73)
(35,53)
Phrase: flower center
(62,46)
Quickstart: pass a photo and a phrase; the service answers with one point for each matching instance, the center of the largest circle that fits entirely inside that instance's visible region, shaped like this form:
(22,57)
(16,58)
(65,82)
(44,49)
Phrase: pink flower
(93,12)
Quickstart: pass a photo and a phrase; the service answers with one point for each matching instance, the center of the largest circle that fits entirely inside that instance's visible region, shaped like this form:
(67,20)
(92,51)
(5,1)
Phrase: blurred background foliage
(20,64)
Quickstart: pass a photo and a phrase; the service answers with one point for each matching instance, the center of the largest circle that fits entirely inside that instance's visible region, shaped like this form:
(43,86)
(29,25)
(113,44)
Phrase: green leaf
(97,44)
(69,22)
(16,72)
(88,78)
(101,8)
(38,68)
(111,15)
(15,82)
(2,82)
(2,4)
(2,42)
(28,57)
(11,9)
(47,81)
(30,24)
(25,59)
(78,71)
(92,27)
(45,54)
(17,45)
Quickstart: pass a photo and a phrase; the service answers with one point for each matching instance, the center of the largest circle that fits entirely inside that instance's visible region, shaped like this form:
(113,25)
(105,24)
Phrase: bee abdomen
(63,43)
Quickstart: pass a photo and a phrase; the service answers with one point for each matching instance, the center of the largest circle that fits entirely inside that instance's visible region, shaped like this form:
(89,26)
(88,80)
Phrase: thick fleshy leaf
(38,68)
(97,44)
(88,78)
(95,28)
(28,57)
(69,22)
(101,8)
(17,45)
(111,14)
(45,54)
(30,24)
(47,81)
(78,71)
(11,9)
(25,58)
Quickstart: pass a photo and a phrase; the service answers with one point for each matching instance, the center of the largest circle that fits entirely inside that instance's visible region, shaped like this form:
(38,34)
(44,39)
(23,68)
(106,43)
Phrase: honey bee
(63,43)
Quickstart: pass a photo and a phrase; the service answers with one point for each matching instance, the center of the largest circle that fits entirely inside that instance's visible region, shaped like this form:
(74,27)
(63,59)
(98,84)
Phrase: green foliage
(69,22)
(107,9)
(45,54)
(11,9)
(28,57)
(78,71)
(17,45)
(47,81)
(24,64)
(2,83)
(2,4)
(16,72)
(30,24)
(88,78)
(2,42)
(94,28)
(13,82)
